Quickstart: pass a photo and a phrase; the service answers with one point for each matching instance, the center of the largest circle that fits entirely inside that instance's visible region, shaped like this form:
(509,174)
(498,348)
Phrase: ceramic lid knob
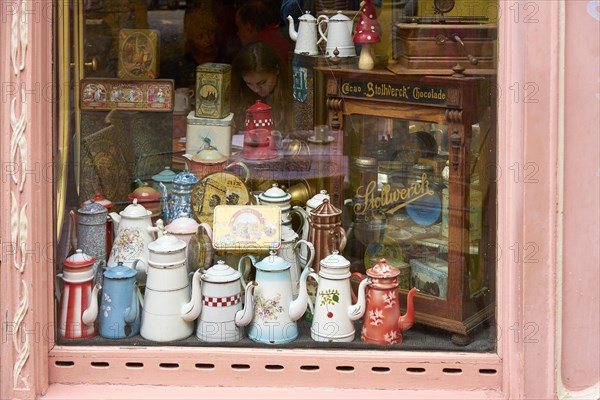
(335,260)
(273,263)
(79,260)
(166,244)
(135,210)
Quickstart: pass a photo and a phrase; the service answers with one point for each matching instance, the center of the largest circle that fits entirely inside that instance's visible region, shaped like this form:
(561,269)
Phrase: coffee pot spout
(190,311)
(245,315)
(91,313)
(407,320)
(298,306)
(357,310)
(292,29)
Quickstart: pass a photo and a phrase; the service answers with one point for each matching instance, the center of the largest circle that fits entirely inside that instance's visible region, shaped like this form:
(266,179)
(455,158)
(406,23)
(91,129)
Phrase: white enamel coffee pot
(168,311)
(338,34)
(306,36)
(222,317)
(290,250)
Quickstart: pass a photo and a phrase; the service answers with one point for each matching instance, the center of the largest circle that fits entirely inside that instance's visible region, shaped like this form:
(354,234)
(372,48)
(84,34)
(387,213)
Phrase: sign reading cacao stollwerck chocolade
(420,94)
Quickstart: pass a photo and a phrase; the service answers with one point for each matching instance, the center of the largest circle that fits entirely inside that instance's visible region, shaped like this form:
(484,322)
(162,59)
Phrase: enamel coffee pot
(222,317)
(337,33)
(383,323)
(75,319)
(179,200)
(90,231)
(106,203)
(119,313)
(333,310)
(306,36)
(275,311)
(134,231)
(326,231)
(290,250)
(169,310)
(311,204)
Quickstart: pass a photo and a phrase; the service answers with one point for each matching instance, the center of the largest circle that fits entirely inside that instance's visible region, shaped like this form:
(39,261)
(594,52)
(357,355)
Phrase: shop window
(402,149)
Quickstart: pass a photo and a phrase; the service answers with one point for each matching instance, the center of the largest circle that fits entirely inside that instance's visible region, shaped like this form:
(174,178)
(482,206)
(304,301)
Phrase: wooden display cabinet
(457,102)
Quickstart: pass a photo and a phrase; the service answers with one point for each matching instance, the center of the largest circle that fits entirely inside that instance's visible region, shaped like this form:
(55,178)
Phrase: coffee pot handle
(320,20)
(241,263)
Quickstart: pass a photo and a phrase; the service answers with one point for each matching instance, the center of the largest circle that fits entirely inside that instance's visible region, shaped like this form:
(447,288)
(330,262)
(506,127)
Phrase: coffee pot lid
(185,178)
(335,261)
(273,263)
(307,17)
(317,199)
(98,198)
(326,208)
(182,225)
(135,210)
(145,193)
(79,260)
(166,243)
(275,194)
(166,175)
(221,273)
(339,16)
(92,208)
(258,107)
(119,271)
(383,270)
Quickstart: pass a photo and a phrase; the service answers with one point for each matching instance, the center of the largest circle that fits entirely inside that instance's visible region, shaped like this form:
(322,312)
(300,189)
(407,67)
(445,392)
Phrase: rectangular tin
(246,229)
(213,87)
(118,94)
(201,132)
(139,53)
(430,276)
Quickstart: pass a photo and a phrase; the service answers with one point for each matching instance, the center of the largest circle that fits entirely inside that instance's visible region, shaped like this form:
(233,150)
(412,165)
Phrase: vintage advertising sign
(400,92)
(133,95)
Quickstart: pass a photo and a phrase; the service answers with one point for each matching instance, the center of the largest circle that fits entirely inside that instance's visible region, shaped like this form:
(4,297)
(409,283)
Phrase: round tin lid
(92,208)
(98,198)
(79,260)
(335,261)
(209,155)
(275,195)
(383,270)
(119,272)
(221,273)
(135,210)
(365,162)
(185,178)
(166,244)
(166,175)
(317,199)
(183,225)
(273,263)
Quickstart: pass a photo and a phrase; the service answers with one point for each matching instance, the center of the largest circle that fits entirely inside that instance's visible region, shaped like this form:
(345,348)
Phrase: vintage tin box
(246,229)
(430,276)
(213,87)
(202,132)
(139,56)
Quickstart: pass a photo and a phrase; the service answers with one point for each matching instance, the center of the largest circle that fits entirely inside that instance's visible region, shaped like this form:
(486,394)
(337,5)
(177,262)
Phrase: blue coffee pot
(119,311)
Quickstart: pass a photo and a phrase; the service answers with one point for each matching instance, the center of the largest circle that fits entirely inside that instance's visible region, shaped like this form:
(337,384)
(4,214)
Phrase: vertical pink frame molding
(26,97)
(547,244)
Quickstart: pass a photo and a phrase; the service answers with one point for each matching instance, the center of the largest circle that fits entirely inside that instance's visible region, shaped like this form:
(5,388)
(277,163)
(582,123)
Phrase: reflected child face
(261,83)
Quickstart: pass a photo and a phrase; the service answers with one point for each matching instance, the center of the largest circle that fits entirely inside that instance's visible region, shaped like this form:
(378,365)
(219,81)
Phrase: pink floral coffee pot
(382,322)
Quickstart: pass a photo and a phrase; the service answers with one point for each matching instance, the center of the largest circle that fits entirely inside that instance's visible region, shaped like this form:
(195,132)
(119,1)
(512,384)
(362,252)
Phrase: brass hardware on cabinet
(93,64)
(441,39)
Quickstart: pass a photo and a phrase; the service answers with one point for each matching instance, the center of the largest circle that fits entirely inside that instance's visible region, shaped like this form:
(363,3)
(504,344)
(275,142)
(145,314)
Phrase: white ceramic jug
(306,36)
(338,34)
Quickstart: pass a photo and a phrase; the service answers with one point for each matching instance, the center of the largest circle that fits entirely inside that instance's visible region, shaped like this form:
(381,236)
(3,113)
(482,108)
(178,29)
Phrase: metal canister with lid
(363,171)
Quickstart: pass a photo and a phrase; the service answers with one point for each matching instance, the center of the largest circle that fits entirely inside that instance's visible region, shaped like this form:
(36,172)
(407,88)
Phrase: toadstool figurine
(366,33)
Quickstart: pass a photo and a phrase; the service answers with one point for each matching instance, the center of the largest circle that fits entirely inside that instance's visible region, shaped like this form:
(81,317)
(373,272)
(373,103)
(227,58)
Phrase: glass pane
(185,156)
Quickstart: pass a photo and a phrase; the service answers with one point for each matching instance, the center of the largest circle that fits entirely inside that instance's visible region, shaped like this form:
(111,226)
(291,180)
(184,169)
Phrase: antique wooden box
(213,87)
(139,53)
(436,48)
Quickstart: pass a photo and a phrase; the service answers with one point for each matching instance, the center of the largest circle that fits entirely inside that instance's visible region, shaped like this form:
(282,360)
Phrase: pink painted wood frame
(529,135)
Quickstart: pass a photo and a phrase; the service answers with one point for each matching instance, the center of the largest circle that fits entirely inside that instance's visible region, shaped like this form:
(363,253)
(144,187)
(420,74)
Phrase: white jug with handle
(337,34)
